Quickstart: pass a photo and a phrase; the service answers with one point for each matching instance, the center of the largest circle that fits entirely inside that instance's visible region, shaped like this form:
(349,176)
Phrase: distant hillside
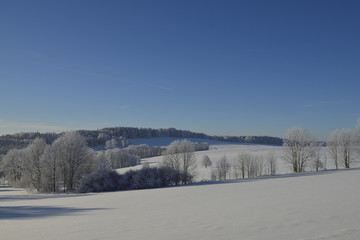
(100,136)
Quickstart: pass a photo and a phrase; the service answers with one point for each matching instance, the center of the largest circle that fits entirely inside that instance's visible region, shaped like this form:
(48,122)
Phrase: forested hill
(100,136)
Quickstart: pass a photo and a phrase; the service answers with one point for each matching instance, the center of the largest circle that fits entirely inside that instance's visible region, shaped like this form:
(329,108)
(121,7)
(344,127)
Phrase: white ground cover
(306,206)
(309,206)
(230,150)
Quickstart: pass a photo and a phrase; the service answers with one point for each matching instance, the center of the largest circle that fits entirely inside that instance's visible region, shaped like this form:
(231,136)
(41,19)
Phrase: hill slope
(99,137)
(308,206)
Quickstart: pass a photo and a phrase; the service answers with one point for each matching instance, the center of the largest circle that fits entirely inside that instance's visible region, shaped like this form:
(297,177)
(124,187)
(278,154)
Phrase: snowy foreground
(322,205)
(307,206)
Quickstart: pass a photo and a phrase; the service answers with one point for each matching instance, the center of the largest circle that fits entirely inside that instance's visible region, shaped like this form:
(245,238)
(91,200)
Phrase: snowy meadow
(306,206)
(310,205)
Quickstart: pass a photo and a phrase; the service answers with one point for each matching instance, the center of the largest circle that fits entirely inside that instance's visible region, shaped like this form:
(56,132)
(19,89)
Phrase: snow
(165,141)
(308,206)
(304,206)
(216,151)
(230,150)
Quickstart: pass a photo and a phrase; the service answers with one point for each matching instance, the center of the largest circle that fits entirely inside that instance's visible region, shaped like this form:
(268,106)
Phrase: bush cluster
(105,179)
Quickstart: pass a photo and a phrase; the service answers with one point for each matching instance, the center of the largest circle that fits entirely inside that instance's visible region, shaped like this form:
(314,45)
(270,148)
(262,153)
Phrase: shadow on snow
(27,212)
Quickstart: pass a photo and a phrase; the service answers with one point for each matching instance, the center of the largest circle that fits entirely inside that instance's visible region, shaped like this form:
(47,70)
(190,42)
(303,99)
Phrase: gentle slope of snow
(308,206)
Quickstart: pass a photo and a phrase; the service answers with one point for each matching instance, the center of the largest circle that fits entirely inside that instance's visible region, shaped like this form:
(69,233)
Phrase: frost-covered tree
(223,167)
(120,158)
(346,147)
(51,169)
(298,145)
(103,178)
(333,144)
(240,164)
(205,161)
(357,139)
(109,144)
(32,164)
(316,163)
(271,163)
(76,158)
(11,166)
(251,166)
(180,157)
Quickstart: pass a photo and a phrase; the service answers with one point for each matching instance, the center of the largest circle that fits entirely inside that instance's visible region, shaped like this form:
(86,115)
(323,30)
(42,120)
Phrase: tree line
(49,167)
(245,165)
(68,164)
(107,136)
(302,151)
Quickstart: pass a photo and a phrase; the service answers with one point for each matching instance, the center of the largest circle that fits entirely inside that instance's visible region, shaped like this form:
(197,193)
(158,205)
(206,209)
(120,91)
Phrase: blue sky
(218,67)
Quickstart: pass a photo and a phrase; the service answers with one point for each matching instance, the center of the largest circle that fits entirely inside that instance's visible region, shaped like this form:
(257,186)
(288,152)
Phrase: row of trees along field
(246,165)
(302,151)
(68,163)
(44,167)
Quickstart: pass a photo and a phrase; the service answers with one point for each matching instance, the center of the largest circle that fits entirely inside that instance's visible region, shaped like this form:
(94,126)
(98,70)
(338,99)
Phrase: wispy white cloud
(7,127)
(323,103)
(164,88)
(145,84)
(123,107)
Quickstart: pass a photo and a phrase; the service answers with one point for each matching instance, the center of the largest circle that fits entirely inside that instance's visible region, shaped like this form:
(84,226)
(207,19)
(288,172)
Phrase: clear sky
(218,67)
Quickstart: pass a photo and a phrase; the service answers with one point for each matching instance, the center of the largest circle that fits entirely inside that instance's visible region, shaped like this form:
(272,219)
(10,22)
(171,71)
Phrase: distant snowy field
(219,149)
(306,206)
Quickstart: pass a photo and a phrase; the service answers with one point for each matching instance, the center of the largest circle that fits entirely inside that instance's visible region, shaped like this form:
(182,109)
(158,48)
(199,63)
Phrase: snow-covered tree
(240,164)
(180,157)
(271,163)
(316,163)
(51,174)
(32,164)
(109,144)
(76,158)
(298,145)
(346,147)
(251,166)
(357,139)
(333,144)
(11,166)
(223,167)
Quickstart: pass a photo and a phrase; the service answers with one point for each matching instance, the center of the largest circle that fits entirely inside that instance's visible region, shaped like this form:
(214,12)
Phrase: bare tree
(316,162)
(271,163)
(205,161)
(357,139)
(259,165)
(251,166)
(346,143)
(240,164)
(333,143)
(213,174)
(298,144)
(223,167)
(180,157)
(248,165)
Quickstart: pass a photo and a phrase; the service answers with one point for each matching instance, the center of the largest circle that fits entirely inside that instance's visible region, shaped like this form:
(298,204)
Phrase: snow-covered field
(322,205)
(230,150)
(307,206)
